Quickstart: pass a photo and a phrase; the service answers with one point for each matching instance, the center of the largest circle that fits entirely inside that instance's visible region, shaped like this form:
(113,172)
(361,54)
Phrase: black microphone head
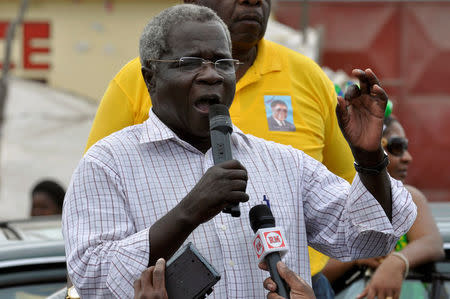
(218,109)
(261,217)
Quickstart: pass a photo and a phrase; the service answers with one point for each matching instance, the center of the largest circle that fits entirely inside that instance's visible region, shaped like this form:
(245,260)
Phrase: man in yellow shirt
(270,72)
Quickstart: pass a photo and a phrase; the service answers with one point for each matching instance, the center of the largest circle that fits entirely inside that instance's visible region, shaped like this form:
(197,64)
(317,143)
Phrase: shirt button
(231,263)
(223,227)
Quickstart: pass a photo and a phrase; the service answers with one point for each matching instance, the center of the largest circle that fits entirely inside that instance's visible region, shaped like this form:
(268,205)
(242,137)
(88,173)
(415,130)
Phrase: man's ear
(149,77)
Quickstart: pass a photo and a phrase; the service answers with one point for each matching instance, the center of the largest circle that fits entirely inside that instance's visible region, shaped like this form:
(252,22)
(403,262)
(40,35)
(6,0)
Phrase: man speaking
(140,193)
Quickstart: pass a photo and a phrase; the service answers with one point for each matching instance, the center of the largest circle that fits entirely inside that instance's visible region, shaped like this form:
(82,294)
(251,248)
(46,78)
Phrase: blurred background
(65,52)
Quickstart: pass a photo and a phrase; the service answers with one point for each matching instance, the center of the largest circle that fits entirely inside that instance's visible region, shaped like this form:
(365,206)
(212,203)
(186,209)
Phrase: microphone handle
(282,288)
(221,150)
(221,146)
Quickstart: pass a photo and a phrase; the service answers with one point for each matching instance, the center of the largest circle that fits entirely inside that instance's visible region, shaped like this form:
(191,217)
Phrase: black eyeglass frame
(235,62)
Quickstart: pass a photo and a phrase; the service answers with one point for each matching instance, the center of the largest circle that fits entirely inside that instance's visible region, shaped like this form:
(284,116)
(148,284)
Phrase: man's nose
(209,75)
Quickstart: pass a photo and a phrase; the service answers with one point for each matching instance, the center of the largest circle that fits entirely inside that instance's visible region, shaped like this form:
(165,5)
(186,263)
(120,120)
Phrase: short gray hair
(153,41)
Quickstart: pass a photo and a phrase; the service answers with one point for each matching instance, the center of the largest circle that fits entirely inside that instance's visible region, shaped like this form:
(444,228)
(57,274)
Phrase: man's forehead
(196,29)
(194,37)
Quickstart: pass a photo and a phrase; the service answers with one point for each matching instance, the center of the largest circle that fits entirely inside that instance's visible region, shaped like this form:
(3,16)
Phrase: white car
(32,258)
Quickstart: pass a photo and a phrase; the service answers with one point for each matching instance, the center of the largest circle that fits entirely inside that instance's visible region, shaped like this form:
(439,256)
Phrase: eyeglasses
(396,145)
(193,64)
(281,110)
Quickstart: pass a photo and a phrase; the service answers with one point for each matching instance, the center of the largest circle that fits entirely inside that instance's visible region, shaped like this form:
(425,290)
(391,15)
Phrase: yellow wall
(89,42)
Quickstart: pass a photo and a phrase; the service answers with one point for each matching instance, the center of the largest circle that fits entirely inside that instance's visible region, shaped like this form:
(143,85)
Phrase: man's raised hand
(361,112)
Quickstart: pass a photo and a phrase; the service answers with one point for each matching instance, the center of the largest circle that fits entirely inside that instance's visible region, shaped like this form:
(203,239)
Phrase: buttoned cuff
(370,232)
(130,259)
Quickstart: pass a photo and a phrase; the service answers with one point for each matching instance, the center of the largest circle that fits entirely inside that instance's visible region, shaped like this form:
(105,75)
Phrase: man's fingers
(292,279)
(137,285)
(364,84)
(146,276)
(237,174)
(270,285)
(299,287)
(353,91)
(341,108)
(379,92)
(273,295)
(372,293)
(158,273)
(263,266)
(372,78)
(367,80)
(237,197)
(232,164)
(364,293)
(238,185)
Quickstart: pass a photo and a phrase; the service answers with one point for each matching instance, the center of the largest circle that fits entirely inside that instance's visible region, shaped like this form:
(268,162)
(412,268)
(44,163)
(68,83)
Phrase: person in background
(47,198)
(269,70)
(422,243)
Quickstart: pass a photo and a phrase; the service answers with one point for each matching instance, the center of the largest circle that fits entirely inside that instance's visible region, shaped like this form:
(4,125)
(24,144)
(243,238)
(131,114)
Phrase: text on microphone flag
(268,240)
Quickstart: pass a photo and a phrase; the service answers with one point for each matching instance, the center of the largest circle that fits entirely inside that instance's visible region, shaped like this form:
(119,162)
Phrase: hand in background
(151,284)
(372,263)
(299,288)
(386,281)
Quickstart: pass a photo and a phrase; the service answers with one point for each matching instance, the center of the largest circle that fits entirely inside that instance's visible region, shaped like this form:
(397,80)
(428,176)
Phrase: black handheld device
(189,274)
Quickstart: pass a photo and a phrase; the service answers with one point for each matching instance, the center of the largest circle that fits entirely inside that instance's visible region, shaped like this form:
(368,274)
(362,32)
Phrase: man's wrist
(184,217)
(368,159)
(373,170)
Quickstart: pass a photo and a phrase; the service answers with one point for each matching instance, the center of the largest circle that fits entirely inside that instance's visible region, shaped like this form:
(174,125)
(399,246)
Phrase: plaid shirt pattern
(133,177)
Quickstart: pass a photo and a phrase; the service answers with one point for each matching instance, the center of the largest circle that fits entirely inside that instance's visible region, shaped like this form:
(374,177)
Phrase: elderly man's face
(181,98)
(279,112)
(246,19)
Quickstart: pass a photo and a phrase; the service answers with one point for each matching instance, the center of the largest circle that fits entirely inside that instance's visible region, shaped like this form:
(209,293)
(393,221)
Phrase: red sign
(31,31)
(259,247)
(274,239)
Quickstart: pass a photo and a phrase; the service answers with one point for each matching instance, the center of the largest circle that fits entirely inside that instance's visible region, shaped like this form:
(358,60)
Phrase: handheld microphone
(269,243)
(220,129)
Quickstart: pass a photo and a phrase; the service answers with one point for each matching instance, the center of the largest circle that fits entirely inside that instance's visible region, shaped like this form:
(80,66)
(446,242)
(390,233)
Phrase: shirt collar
(155,130)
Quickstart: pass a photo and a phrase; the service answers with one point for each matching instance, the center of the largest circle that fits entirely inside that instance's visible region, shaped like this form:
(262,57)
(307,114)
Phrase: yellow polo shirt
(278,74)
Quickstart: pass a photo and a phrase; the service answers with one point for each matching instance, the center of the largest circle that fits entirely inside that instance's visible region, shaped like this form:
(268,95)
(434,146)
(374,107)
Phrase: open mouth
(203,103)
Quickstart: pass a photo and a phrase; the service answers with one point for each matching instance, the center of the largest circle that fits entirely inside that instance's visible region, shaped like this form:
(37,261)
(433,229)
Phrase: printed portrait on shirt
(279,113)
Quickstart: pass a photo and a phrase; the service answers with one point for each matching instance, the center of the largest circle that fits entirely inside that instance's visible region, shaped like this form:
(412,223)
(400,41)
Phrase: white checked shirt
(135,176)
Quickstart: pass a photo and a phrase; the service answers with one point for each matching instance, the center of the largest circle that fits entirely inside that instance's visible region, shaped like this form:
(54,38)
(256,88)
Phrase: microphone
(269,243)
(220,130)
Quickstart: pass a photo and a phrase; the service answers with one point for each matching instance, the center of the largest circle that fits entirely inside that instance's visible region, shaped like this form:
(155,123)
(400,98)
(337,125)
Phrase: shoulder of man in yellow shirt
(127,102)
(279,72)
